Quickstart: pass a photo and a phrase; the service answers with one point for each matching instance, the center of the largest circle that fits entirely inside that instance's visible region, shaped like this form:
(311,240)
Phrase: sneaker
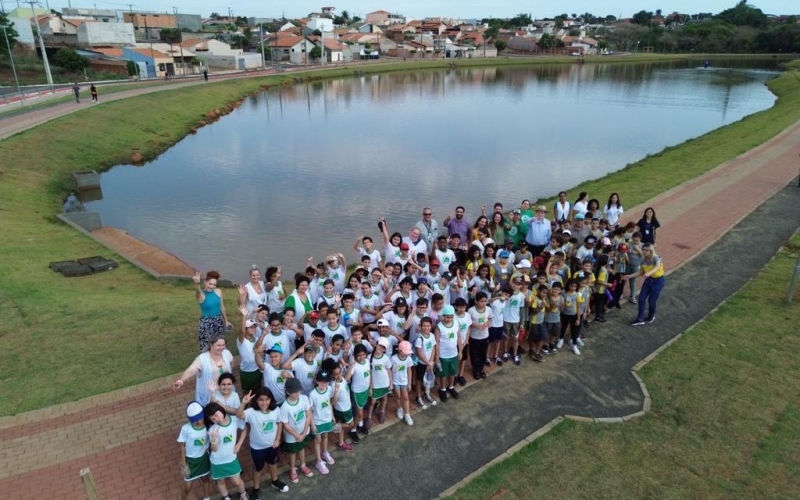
(306,471)
(600,320)
(443,395)
(576,350)
(506,356)
(429,399)
(560,344)
(461,381)
(488,362)
(322,468)
(553,349)
(483,374)
(400,414)
(633,300)
(580,342)
(354,436)
(453,393)
(254,495)
(517,361)
(546,350)
(337,429)
(637,322)
(293,477)
(363,429)
(650,320)
(326,456)
(381,417)
(345,446)
(498,361)
(408,420)
(421,404)
(280,486)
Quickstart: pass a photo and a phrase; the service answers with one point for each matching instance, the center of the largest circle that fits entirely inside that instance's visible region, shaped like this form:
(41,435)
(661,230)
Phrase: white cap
(383,342)
(382,322)
(524,264)
(194,411)
(250,323)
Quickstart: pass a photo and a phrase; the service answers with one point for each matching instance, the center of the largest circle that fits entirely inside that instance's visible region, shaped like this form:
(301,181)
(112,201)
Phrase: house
(24,29)
(151,63)
(360,38)
(433,28)
(334,49)
(473,38)
(148,26)
(368,28)
(388,46)
(58,31)
(108,61)
(290,48)
(384,18)
(587,45)
(102,15)
(323,24)
(329,11)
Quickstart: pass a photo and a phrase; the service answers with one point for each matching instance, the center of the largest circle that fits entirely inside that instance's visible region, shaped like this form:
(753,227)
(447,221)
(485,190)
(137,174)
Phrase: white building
(24,31)
(100,33)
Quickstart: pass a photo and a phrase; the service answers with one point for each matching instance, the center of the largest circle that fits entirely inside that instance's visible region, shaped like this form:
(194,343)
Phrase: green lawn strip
(62,333)
(724,422)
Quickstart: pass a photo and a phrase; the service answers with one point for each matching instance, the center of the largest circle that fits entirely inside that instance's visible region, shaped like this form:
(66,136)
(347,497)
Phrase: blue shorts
(267,456)
(495,333)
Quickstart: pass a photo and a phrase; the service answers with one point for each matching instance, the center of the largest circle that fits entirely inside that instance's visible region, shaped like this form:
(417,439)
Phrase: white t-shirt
(255,299)
(498,307)
(275,381)
(247,355)
(281,340)
(232,401)
(479,318)
(463,326)
(444,292)
(400,369)
(342,402)
(329,334)
(372,302)
(511,311)
(263,427)
(308,329)
(416,248)
(338,275)
(361,377)
(294,416)
(321,405)
(195,441)
(305,372)
(381,371)
(274,300)
(397,323)
(445,258)
(613,213)
(392,254)
(426,344)
(375,336)
(413,331)
(448,340)
(374,257)
(580,207)
(226,441)
(353,317)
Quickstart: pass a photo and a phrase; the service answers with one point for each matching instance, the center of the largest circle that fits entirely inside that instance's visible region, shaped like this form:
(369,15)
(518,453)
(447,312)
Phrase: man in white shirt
(416,244)
(428,228)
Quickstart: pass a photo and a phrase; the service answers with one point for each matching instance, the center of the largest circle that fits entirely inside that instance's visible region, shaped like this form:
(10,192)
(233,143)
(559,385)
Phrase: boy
(601,282)
(481,317)
(332,327)
(427,352)
(349,315)
(296,417)
(367,249)
(537,335)
(450,345)
(554,304)
(634,262)
(342,406)
(496,340)
(193,442)
(303,368)
(275,376)
(444,256)
(464,322)
(369,304)
(313,324)
(523,253)
(442,287)
(511,321)
(412,325)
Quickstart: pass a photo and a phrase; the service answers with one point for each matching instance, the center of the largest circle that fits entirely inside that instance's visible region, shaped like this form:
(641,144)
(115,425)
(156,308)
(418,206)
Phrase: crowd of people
(318,364)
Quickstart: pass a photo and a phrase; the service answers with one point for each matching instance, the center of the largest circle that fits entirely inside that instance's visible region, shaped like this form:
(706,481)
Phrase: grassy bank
(64,339)
(724,423)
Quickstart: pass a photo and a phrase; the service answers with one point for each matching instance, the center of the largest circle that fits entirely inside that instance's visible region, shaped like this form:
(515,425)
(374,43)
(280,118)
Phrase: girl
(497,227)
(427,354)
(381,380)
(353,286)
(480,223)
(333,300)
(613,210)
(322,398)
(222,432)
(480,316)
(273,373)
(359,377)
(398,317)
(580,205)
(648,225)
(193,443)
(488,257)
(475,260)
(570,319)
(602,280)
(213,320)
(246,342)
(342,406)
(223,393)
(207,367)
(464,322)
(619,268)
(401,367)
(274,289)
(404,291)
(265,426)
(296,417)
(252,294)
(392,243)
(304,368)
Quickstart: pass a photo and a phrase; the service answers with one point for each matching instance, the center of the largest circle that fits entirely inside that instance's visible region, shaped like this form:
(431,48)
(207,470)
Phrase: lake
(303,170)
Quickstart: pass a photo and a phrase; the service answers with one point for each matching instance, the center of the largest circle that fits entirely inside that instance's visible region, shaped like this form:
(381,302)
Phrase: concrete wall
(106,34)
(190,22)
(24,29)
(105,15)
(234,62)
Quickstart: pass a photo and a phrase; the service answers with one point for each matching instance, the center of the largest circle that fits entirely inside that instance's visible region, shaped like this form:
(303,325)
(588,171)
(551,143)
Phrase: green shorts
(221,471)
(324,428)
(344,417)
(295,447)
(379,393)
(251,381)
(361,398)
(449,367)
(198,467)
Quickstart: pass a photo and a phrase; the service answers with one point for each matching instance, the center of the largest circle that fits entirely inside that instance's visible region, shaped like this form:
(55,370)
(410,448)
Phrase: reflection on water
(302,171)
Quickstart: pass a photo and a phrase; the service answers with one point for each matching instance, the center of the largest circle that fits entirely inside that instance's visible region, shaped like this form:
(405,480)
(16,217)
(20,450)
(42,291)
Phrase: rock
(136,157)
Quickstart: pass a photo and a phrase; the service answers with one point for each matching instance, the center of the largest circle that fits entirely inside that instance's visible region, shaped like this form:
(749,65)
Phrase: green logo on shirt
(227,439)
(428,345)
(325,404)
(280,380)
(451,335)
(199,442)
(300,416)
(366,374)
(401,368)
(268,426)
(379,367)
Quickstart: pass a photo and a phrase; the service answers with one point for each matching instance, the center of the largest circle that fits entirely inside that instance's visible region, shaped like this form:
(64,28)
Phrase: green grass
(64,339)
(724,421)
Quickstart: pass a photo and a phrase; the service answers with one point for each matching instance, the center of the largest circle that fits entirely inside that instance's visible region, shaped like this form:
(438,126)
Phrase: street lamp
(13,67)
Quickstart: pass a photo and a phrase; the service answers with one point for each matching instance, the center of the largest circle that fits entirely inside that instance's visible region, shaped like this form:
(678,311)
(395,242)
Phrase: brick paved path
(43,451)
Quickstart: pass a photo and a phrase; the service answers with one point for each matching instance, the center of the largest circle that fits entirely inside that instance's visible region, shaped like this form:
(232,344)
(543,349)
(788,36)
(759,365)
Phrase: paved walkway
(127,438)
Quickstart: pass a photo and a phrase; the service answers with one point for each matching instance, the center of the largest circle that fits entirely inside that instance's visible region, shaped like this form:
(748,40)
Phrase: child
(481,316)
(321,399)
(264,421)
(250,377)
(449,343)
(277,338)
(336,351)
(464,322)
(397,318)
(359,376)
(586,295)
(222,392)
(193,442)
(570,319)
(511,322)
(600,284)
(401,366)
(537,334)
(412,325)
(349,315)
(635,255)
(296,417)
(304,368)
(523,253)
(498,305)
(222,435)
(342,407)
(355,340)
(328,296)
(381,378)
(620,265)
(369,304)
(427,354)
(367,249)
(333,328)
(313,324)
(554,304)
(273,373)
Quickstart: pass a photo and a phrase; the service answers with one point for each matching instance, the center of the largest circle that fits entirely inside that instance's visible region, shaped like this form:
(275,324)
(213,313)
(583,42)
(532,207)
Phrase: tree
(316,33)
(574,15)
(643,18)
(743,15)
(315,53)
(355,19)
(574,32)
(170,35)
(658,12)
(491,32)
(70,60)
(238,42)
(546,41)
(132,67)
(500,45)
(214,15)
(12,35)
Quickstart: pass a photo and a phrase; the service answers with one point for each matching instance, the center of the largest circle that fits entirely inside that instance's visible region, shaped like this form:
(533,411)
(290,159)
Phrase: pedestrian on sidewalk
(93,91)
(76,89)
(205,74)
(193,442)
(652,269)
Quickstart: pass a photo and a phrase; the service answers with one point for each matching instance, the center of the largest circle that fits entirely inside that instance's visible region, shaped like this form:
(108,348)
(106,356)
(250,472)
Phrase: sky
(444,8)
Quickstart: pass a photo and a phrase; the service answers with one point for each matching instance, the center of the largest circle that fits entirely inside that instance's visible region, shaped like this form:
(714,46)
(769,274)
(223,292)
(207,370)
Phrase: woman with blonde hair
(652,268)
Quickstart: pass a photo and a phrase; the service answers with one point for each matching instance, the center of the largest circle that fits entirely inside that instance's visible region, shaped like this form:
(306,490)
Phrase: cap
(541,208)
(382,322)
(579,217)
(590,239)
(309,348)
(249,323)
(606,241)
(403,246)
(434,262)
(448,310)
(538,261)
(384,343)
(566,231)
(404,347)
(516,211)
(275,348)
(504,254)
(447,276)
(400,301)
(580,275)
(623,248)
(323,376)
(194,411)
(313,315)
(292,386)
(524,264)
(423,280)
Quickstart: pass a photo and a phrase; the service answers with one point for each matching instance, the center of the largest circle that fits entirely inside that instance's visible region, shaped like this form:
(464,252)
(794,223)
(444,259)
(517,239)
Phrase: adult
(562,209)
(274,289)
(300,299)
(416,243)
(497,227)
(581,229)
(428,227)
(652,268)
(252,294)
(647,226)
(76,89)
(459,225)
(593,207)
(481,223)
(581,204)
(613,210)
(539,231)
(206,368)
(93,92)
(515,228)
(213,319)
(526,214)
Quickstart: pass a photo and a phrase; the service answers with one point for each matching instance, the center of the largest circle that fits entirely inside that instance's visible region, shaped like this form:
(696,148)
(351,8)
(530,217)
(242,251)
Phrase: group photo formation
(326,352)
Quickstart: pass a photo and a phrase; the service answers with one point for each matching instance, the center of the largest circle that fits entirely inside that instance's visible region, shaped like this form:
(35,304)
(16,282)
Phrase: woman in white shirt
(562,210)
(581,205)
(207,367)
(613,210)
(252,294)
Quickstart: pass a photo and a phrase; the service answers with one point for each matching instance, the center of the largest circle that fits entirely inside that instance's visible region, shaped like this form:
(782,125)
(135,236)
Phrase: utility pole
(13,67)
(180,41)
(41,45)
